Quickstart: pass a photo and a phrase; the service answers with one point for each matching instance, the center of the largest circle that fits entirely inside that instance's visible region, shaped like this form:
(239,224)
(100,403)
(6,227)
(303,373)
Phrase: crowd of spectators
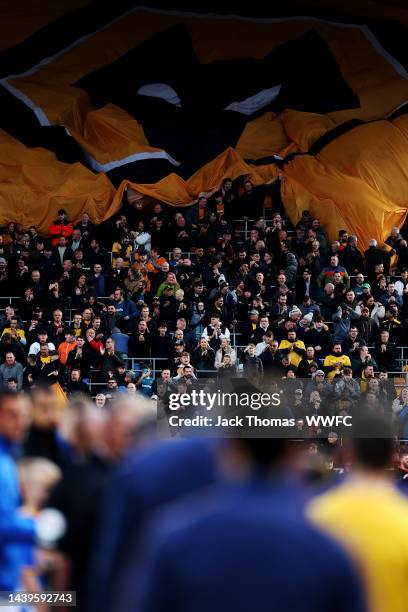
(159,299)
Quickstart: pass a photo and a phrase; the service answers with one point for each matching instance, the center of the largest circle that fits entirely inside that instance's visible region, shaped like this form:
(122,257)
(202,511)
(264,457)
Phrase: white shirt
(260,347)
(223,334)
(61,251)
(400,286)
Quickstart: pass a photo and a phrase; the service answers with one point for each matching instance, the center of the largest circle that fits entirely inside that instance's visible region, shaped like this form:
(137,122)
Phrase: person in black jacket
(203,358)
(140,341)
(109,360)
(386,353)
(253,366)
(55,328)
(27,304)
(351,258)
(307,366)
(50,369)
(319,337)
(374,256)
(76,384)
(88,229)
(8,345)
(81,357)
(227,370)
(162,346)
(351,345)
(305,285)
(271,359)
(402,252)
(366,326)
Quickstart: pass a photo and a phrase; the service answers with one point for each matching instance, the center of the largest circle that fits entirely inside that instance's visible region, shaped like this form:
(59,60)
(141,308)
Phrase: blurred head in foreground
(14,416)
(112,431)
(372,447)
(37,477)
(243,456)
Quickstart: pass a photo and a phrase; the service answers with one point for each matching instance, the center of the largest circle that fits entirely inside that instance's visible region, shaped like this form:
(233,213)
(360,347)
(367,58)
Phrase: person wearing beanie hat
(319,383)
(309,306)
(305,326)
(295,313)
(306,320)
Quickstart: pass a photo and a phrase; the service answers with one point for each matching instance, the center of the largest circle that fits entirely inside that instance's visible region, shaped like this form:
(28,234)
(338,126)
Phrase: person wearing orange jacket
(60,227)
(66,347)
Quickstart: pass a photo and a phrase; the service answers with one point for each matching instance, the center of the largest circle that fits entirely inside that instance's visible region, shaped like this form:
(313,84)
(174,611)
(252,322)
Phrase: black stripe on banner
(265,161)
(59,34)
(20,122)
(336,133)
(145,171)
(331,135)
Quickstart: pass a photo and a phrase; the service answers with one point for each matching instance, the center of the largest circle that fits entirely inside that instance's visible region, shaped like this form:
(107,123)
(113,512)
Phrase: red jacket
(56,230)
(96,345)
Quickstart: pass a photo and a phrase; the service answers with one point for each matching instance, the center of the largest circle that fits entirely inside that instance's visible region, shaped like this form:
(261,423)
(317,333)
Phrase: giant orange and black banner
(96,99)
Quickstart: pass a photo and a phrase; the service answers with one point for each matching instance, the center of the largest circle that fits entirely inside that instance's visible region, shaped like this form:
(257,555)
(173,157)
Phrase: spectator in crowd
(391,324)
(82,357)
(66,347)
(252,365)
(351,257)
(374,256)
(342,320)
(361,359)
(60,227)
(335,361)
(203,358)
(366,326)
(307,365)
(292,347)
(109,359)
(386,353)
(76,384)
(401,401)
(346,387)
(11,369)
(16,332)
(328,273)
(394,238)
(225,349)
(352,344)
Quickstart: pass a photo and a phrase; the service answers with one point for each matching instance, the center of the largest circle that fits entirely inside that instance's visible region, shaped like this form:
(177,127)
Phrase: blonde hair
(34,470)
